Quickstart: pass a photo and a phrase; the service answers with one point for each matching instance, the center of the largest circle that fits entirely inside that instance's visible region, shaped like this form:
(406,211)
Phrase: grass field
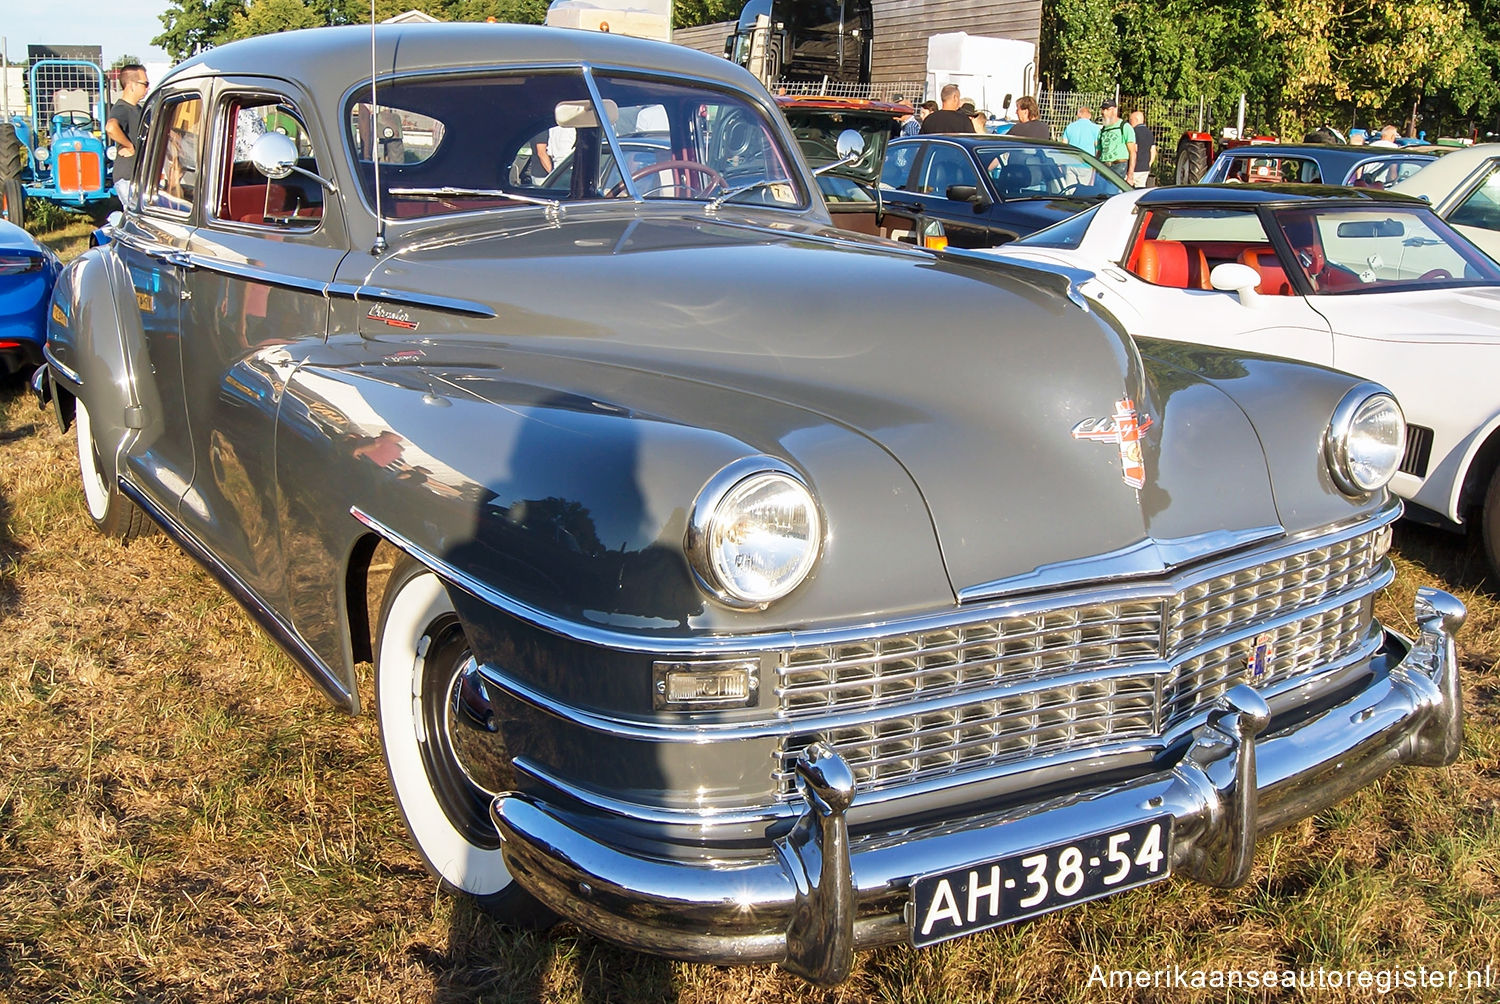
(182,818)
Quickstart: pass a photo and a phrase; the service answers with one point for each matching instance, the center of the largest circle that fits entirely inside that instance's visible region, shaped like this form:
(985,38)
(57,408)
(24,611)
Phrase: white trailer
(994,72)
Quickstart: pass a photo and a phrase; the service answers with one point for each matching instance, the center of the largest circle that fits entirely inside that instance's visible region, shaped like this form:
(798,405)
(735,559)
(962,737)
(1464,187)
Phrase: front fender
(96,350)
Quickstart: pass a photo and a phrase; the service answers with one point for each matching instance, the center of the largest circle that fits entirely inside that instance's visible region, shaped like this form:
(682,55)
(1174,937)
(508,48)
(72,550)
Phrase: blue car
(27,272)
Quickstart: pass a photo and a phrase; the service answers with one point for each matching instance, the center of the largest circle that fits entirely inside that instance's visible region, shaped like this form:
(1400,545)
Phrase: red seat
(1174,264)
(1273,278)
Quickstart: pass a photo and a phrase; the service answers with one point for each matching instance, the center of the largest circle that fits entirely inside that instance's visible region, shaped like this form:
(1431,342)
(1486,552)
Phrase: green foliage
(266,17)
(124,61)
(190,26)
(691,13)
(43,216)
(1300,63)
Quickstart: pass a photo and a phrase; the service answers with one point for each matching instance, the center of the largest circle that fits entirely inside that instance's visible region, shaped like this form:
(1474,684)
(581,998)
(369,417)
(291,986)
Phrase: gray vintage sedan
(738,587)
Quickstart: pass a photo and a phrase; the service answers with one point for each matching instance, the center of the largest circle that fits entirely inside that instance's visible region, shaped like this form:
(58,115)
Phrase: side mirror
(274,155)
(1232,277)
(850,145)
(967,193)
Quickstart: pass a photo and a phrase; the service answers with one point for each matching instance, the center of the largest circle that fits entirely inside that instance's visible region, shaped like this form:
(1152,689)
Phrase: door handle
(182,260)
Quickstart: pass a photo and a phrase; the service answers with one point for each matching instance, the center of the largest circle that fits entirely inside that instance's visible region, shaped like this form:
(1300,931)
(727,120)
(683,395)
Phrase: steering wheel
(715,179)
(73,119)
(1436,273)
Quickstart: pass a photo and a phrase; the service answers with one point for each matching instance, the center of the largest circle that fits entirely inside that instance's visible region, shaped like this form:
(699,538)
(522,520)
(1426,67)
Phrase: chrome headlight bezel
(715,503)
(1358,473)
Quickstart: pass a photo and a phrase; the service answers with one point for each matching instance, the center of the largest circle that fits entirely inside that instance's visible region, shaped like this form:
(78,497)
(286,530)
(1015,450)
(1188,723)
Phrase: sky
(121,26)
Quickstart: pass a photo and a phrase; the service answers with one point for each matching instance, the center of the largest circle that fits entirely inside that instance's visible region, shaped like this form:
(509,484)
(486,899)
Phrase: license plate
(948,904)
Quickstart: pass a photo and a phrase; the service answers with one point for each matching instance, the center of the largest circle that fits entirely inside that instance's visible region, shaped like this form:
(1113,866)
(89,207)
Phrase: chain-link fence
(1168,119)
(906,90)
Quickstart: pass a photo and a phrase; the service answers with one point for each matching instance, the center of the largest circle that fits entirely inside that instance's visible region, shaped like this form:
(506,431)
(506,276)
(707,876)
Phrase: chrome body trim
(254,273)
(66,372)
(792,905)
(359,293)
(266,618)
(1336,439)
(1145,558)
(701,645)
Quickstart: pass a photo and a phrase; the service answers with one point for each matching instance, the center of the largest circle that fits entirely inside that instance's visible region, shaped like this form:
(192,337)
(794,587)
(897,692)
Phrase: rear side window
(174,155)
(896,171)
(947,166)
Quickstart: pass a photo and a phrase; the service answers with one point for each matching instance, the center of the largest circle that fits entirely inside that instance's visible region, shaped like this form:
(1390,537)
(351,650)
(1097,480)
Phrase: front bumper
(818,896)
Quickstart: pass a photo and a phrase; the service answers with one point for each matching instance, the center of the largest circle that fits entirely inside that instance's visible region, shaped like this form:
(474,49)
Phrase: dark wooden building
(902,28)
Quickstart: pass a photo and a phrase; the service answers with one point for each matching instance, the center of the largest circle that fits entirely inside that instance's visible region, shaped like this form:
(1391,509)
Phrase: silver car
(737,587)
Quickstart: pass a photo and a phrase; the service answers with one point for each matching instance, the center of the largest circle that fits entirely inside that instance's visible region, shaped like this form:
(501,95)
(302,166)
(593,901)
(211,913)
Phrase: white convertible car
(1364,281)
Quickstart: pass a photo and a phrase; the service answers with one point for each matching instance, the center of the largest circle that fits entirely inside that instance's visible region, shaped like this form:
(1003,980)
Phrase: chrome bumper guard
(798,907)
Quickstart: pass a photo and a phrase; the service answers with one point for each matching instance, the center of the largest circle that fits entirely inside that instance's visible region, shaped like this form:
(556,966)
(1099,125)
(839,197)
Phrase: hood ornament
(1125,428)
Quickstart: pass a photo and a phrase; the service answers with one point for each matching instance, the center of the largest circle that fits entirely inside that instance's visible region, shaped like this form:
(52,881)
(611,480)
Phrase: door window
(1482,208)
(174,184)
(896,172)
(947,166)
(249,197)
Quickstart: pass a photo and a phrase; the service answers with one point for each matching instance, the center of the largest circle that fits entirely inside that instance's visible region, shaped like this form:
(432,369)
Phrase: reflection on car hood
(1462,314)
(974,376)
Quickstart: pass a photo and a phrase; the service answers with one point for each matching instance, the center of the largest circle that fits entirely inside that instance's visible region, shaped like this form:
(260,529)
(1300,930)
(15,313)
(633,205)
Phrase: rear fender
(96,351)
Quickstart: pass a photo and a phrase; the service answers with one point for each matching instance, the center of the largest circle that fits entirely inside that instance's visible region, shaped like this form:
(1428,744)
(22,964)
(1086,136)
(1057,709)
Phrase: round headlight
(41,155)
(754,533)
(1365,440)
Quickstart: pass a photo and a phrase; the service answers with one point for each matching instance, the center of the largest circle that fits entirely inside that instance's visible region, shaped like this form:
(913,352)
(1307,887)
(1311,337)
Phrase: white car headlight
(1365,440)
(754,533)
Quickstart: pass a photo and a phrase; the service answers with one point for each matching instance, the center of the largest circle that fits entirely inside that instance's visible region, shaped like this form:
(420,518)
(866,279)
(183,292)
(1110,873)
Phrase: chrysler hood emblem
(1125,429)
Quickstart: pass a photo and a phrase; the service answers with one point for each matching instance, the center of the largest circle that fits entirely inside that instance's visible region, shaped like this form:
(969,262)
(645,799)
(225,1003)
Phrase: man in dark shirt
(1142,151)
(1029,124)
(948,118)
(124,125)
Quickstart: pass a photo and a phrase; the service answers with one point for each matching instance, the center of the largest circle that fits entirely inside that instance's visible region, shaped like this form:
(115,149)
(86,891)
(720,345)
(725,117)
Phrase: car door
(944,167)
(259,267)
(152,241)
(1161,287)
(1475,211)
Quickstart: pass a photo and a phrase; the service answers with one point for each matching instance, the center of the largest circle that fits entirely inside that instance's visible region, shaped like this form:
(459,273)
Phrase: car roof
(986,139)
(1317,150)
(1270,195)
(329,60)
(1438,179)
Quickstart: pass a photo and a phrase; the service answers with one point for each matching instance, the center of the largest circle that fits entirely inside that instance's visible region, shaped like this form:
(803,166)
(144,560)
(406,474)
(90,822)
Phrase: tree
(124,61)
(190,26)
(1086,44)
(266,17)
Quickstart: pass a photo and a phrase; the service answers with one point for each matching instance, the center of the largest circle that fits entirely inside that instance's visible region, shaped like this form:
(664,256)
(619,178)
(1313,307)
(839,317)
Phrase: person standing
(948,118)
(914,124)
(1029,124)
(1142,150)
(1388,134)
(124,125)
(1083,132)
(1115,138)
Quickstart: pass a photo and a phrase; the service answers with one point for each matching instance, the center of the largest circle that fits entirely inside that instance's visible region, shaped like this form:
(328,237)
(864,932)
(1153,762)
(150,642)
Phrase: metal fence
(1168,119)
(887,90)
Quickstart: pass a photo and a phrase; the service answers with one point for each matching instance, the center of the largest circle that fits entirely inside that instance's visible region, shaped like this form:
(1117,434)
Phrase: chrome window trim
(211,215)
(360,293)
(770,112)
(698,645)
(252,273)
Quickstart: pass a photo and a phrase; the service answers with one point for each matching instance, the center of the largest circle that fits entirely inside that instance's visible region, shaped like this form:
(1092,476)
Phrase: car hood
(1000,397)
(1469,314)
(1043,212)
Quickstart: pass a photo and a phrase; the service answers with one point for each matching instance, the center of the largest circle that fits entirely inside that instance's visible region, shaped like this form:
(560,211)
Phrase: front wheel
(113,514)
(421,661)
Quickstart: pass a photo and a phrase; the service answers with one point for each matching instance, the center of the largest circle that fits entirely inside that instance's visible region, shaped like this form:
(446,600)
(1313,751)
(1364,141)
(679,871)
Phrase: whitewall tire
(113,514)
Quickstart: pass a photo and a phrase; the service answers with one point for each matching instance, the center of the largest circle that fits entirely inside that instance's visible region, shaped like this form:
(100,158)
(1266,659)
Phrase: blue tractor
(63,154)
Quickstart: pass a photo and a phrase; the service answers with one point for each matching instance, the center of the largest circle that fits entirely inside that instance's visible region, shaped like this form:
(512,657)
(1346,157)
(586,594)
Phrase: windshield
(1066,235)
(462,144)
(1041,172)
(817,131)
(1345,250)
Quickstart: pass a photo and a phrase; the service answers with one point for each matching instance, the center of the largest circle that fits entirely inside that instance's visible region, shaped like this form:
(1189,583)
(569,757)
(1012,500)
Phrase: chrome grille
(1075,676)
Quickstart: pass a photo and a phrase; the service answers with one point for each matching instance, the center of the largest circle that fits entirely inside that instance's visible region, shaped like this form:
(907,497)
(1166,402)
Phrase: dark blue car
(27,272)
(988,190)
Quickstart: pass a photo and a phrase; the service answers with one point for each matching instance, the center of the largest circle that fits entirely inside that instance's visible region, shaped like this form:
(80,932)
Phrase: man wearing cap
(1115,137)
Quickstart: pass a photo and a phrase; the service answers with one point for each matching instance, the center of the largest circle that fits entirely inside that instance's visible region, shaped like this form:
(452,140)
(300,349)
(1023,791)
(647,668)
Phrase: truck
(804,41)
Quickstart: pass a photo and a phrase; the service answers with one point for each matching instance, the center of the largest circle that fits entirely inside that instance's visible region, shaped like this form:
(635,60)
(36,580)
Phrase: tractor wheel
(1192,161)
(12,153)
(13,201)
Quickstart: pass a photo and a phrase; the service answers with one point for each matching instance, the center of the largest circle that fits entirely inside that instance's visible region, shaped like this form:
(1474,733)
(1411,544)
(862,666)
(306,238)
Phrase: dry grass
(183,819)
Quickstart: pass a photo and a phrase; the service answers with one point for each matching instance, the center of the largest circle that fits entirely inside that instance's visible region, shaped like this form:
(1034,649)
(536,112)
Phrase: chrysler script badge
(395,317)
(1125,429)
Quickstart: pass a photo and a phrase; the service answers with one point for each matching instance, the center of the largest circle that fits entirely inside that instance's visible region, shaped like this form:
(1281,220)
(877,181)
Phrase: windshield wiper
(745,190)
(553,206)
